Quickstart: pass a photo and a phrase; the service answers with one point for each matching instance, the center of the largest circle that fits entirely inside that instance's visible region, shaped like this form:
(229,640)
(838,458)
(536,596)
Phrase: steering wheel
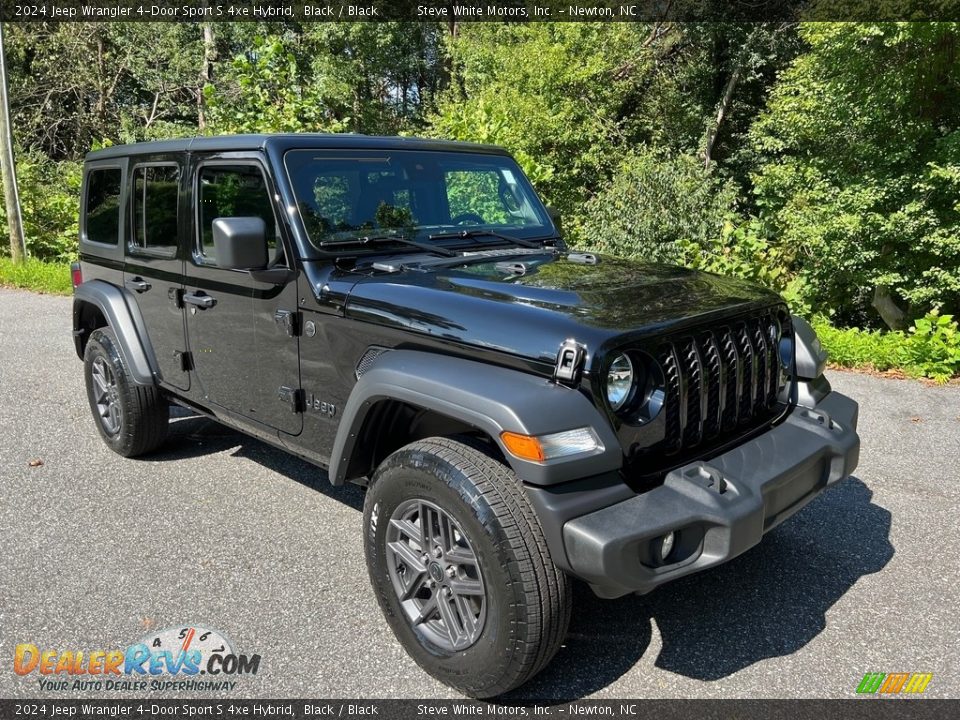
(465,217)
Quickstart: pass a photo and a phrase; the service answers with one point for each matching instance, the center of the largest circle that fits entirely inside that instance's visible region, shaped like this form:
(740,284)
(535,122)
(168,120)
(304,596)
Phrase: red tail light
(76,275)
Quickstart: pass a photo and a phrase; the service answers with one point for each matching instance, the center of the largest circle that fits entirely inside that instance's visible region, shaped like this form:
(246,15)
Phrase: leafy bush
(659,207)
(859,170)
(931,348)
(853,347)
(49,199)
(269,95)
(742,249)
(551,93)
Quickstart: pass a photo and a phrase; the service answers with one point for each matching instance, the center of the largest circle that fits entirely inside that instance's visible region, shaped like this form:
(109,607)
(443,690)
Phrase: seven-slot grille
(720,379)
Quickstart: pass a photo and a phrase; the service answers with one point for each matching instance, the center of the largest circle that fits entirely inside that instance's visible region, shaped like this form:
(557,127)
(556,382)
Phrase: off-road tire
(144,414)
(528,599)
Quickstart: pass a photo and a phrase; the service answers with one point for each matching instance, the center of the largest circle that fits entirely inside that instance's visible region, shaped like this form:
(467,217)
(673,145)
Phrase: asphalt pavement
(221,531)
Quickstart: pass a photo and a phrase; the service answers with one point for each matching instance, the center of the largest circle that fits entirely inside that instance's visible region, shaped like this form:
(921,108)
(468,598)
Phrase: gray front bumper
(717,509)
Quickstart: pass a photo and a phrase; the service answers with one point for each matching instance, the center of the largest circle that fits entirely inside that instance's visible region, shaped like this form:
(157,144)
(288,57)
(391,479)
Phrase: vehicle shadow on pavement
(193,435)
(769,602)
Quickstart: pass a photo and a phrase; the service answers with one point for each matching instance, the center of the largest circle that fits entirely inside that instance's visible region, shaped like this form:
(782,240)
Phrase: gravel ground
(222,531)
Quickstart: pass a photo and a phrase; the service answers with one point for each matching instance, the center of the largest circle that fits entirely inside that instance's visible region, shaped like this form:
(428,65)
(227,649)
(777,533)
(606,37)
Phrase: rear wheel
(132,419)
(461,568)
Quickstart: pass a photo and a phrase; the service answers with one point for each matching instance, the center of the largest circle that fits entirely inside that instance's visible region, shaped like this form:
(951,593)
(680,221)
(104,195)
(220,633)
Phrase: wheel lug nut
(451,570)
(437,551)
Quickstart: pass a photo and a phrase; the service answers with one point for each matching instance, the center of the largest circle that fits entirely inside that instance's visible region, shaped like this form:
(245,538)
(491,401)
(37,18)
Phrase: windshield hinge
(569,362)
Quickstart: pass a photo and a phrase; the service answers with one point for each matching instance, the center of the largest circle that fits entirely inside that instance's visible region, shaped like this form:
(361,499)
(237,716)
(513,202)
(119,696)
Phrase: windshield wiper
(385,238)
(481,232)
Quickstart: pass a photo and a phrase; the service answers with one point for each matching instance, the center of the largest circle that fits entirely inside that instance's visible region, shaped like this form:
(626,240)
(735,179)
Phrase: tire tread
(547,616)
(146,411)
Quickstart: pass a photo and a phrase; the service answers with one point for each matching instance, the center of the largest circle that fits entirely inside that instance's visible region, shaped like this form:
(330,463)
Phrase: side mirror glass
(240,243)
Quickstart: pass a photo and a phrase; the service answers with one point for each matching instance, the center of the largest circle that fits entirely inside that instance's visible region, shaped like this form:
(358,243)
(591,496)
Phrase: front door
(244,353)
(153,269)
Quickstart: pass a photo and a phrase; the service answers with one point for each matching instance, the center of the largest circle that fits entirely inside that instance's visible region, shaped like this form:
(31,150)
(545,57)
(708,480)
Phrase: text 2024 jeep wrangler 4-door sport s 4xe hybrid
(405,314)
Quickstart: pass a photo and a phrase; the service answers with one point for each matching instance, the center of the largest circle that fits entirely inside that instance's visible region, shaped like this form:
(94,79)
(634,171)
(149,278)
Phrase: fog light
(666,545)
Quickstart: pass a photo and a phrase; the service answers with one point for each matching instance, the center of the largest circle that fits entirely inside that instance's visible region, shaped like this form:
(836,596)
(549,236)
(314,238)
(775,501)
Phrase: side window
(102,211)
(234,191)
(155,190)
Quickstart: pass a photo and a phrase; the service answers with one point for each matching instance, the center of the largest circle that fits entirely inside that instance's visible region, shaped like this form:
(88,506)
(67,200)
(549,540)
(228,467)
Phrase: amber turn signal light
(525,447)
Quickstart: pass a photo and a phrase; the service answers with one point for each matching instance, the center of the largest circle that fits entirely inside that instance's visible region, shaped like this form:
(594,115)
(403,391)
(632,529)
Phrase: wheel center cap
(436,572)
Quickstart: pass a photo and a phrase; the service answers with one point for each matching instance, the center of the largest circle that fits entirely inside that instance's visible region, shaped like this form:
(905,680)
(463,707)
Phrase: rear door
(155,257)
(243,332)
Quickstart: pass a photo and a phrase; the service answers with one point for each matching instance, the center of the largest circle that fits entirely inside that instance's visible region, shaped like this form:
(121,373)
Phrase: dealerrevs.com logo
(179,658)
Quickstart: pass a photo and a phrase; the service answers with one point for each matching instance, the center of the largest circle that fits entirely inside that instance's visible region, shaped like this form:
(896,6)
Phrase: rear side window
(102,211)
(155,190)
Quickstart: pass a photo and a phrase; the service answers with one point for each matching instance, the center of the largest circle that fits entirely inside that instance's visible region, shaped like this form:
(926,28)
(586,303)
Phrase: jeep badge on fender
(522,416)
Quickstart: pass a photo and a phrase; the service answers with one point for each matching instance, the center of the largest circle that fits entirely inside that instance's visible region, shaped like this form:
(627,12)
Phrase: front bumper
(719,508)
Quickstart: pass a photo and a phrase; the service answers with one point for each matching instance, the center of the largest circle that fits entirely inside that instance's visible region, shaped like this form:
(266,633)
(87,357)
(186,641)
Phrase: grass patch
(36,275)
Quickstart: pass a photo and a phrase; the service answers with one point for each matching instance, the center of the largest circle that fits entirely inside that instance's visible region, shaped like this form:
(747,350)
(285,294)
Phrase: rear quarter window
(155,190)
(102,206)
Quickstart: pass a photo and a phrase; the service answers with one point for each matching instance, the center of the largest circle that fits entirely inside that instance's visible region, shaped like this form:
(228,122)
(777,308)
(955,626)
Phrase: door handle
(200,300)
(138,285)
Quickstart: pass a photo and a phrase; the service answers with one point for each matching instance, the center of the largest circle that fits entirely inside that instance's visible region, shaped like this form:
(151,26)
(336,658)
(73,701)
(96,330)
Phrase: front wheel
(461,569)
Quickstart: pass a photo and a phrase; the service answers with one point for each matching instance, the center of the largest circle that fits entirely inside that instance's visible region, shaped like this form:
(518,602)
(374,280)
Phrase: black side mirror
(240,243)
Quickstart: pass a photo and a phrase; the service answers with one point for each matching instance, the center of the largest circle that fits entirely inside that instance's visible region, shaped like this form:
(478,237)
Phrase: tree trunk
(206,72)
(714,129)
(891,313)
(8,168)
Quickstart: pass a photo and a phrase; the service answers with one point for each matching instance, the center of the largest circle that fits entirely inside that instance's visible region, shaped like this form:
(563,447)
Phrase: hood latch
(569,362)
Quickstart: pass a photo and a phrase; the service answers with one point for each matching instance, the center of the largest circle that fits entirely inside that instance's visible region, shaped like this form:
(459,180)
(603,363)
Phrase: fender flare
(123,316)
(491,398)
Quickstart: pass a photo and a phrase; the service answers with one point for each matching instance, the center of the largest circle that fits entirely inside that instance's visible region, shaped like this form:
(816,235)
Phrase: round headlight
(620,379)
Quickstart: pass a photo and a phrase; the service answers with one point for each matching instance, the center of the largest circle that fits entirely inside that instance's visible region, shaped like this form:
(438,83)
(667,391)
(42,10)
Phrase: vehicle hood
(484,303)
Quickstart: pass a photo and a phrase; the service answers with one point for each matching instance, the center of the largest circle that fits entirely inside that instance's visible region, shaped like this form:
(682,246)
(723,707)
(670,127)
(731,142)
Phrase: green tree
(48,194)
(859,168)
(551,93)
(75,84)
(654,201)
(571,100)
(378,78)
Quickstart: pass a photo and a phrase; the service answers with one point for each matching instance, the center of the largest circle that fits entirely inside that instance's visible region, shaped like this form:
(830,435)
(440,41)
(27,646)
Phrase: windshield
(343,195)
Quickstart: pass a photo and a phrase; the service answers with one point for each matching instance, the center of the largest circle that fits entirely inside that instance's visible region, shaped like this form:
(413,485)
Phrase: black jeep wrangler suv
(405,314)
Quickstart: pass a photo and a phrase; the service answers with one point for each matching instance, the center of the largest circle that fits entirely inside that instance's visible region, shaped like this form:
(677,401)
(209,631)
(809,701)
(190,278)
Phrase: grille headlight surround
(620,381)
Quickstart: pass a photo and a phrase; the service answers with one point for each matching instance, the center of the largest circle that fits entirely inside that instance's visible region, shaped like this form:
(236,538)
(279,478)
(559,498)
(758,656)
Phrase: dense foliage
(820,159)
(929,348)
(858,169)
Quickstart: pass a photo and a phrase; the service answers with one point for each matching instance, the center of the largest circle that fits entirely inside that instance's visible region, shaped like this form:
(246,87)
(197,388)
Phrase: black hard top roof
(290,141)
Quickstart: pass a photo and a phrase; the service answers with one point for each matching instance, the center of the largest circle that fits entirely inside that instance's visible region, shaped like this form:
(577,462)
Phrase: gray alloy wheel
(435,575)
(131,418)
(106,396)
(460,565)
